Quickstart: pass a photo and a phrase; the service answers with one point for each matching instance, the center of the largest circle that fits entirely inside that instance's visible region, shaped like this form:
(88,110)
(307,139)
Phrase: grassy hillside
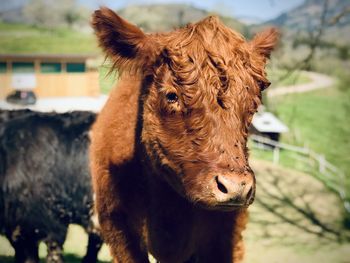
(165,17)
(18,38)
(306,17)
(319,119)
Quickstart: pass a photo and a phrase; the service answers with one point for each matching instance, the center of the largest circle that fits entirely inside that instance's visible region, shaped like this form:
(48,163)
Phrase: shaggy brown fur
(168,154)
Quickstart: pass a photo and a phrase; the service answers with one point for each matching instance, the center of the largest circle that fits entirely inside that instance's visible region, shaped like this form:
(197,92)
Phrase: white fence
(326,172)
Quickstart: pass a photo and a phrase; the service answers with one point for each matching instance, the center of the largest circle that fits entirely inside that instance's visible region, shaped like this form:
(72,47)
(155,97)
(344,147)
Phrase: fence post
(276,155)
(321,164)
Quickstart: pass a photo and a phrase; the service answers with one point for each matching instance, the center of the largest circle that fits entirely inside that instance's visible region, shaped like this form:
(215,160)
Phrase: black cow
(45,181)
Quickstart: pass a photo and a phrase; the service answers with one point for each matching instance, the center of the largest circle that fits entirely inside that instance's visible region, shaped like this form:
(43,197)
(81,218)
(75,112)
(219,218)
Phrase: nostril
(220,185)
(250,193)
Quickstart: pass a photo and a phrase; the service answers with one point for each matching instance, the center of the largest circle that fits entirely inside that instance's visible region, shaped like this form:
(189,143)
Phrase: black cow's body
(45,181)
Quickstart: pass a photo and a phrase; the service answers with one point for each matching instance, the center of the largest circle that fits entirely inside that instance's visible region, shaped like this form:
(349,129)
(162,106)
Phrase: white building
(268,125)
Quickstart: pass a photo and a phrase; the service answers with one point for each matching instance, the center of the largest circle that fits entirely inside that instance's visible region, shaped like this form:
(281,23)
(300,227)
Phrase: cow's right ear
(124,43)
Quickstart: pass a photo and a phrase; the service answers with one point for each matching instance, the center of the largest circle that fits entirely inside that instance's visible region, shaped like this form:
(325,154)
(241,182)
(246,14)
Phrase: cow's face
(205,85)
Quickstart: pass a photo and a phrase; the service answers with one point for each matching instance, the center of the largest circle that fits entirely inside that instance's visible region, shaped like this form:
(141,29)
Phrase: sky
(246,10)
(258,10)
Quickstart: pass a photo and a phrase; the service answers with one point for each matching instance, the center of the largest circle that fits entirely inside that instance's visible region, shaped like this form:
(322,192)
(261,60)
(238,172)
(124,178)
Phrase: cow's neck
(177,225)
(170,219)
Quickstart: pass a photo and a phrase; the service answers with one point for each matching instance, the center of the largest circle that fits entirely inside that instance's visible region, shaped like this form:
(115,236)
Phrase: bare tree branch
(335,19)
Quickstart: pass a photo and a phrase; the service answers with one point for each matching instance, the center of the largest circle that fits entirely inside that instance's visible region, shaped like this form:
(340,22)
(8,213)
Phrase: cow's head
(205,84)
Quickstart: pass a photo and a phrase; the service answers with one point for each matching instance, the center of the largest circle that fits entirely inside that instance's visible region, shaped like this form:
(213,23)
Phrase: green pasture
(18,38)
(318,120)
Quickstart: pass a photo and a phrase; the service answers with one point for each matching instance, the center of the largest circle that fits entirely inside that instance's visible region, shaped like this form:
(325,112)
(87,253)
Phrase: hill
(165,17)
(151,17)
(306,17)
(20,38)
(23,38)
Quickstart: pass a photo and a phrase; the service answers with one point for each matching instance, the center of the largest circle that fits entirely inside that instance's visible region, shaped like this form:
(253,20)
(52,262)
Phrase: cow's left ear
(264,43)
(124,43)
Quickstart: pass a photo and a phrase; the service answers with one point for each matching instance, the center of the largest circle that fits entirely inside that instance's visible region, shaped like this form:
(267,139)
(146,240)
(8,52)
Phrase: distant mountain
(11,11)
(12,15)
(152,17)
(306,17)
(6,5)
(165,17)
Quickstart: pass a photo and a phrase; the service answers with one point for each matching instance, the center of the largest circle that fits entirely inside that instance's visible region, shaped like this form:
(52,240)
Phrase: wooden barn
(49,75)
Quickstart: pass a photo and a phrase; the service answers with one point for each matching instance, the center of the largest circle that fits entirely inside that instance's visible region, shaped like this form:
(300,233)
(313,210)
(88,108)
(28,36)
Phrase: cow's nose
(235,191)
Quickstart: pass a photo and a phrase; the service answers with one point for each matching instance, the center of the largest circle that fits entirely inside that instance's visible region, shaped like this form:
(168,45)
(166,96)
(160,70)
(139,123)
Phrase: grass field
(320,120)
(18,38)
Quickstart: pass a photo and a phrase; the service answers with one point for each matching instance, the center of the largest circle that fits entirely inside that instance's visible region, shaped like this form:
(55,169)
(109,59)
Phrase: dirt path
(318,81)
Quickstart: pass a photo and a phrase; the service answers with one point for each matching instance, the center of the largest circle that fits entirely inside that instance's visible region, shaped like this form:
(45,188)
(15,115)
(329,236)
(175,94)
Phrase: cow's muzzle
(233,191)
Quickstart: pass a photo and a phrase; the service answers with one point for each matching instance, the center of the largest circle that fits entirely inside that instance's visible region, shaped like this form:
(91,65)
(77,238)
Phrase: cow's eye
(172,97)
(263,84)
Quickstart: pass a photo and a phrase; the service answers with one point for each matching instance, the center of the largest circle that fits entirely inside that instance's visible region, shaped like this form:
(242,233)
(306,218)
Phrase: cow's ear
(123,42)
(264,43)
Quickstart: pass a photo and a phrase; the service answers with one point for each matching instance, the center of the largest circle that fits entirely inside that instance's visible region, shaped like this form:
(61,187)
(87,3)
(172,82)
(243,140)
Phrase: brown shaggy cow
(168,155)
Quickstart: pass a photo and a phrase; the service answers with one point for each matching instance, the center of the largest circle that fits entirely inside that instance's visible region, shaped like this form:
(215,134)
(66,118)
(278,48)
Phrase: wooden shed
(267,125)
(50,75)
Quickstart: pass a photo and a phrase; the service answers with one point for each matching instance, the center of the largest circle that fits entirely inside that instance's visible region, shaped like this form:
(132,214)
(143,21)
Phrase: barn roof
(267,122)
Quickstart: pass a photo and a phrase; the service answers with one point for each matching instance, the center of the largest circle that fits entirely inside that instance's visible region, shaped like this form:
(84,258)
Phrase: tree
(39,13)
(313,42)
(51,13)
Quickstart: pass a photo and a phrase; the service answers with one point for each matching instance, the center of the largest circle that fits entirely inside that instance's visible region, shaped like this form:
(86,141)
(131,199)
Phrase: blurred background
(300,139)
